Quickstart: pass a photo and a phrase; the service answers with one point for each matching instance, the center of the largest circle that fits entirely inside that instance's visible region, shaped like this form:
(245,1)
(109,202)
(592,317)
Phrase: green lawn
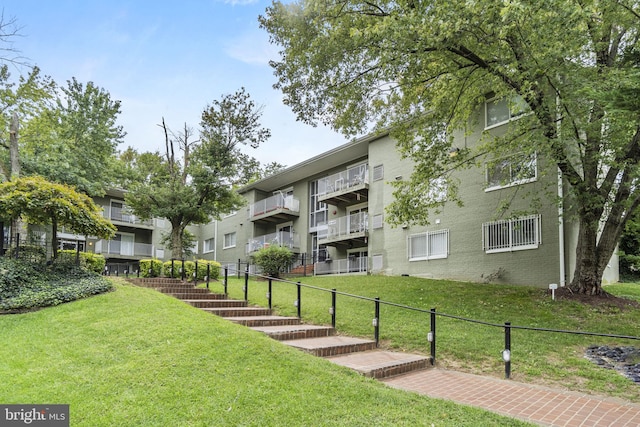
(135,357)
(538,357)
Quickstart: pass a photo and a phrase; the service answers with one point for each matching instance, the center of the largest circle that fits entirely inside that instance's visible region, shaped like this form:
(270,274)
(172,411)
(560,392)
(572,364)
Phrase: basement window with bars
(428,245)
(511,234)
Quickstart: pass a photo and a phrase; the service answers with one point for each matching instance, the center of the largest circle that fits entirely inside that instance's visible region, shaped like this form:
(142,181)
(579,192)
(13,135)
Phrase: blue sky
(166,59)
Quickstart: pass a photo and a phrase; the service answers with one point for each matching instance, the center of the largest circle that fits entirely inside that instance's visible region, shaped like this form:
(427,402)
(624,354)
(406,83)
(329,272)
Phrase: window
(378,172)
(378,221)
(376,262)
(501,110)
(428,245)
(229,240)
(227,215)
(513,170)
(511,234)
(209,245)
(318,211)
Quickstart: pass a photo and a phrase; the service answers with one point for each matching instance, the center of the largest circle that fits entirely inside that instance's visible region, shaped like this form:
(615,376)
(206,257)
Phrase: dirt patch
(605,300)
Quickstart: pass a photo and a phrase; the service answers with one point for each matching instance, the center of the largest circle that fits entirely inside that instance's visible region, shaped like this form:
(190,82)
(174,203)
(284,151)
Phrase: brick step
(332,346)
(185,288)
(215,303)
(295,332)
(197,295)
(153,281)
(382,364)
(256,321)
(238,311)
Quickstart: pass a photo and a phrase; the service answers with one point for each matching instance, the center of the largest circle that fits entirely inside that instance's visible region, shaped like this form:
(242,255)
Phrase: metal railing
(115,247)
(342,181)
(431,334)
(273,203)
(123,215)
(354,264)
(280,238)
(344,227)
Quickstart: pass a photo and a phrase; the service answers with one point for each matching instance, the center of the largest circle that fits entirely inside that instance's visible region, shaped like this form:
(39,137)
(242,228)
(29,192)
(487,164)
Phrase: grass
(554,359)
(135,357)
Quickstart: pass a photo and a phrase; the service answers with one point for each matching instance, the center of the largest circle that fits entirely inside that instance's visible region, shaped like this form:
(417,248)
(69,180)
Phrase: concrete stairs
(358,354)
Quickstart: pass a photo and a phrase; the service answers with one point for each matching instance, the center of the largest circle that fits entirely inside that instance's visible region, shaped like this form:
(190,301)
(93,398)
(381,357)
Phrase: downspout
(561,248)
(215,241)
(561,230)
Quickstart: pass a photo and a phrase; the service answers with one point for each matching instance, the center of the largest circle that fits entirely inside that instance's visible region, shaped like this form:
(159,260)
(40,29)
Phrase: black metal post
(172,269)
(195,274)
(226,279)
(299,300)
(77,253)
(246,286)
(304,265)
(333,308)
(183,273)
(238,269)
(433,336)
(269,295)
(208,273)
(506,355)
(376,322)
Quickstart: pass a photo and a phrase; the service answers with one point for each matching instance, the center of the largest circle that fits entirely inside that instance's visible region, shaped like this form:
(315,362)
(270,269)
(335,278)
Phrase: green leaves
(43,202)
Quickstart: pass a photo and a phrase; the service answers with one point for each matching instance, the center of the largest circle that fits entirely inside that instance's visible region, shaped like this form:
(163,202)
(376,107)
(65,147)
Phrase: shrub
(273,260)
(24,285)
(89,260)
(214,269)
(31,253)
(176,273)
(150,268)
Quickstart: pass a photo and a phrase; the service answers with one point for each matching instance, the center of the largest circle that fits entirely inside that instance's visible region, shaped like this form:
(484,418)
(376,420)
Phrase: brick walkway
(536,404)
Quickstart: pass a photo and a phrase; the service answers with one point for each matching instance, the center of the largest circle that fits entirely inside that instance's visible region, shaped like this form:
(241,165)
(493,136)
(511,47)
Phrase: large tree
(422,67)
(195,181)
(74,141)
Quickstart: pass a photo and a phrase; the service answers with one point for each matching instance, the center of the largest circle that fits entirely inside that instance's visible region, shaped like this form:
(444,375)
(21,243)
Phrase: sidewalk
(536,404)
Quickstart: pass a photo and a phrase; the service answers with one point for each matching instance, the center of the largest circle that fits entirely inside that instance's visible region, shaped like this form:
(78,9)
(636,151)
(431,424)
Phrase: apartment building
(330,210)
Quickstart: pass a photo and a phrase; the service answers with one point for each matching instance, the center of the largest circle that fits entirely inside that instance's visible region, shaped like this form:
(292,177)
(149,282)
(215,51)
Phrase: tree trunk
(54,238)
(17,226)
(587,277)
(13,147)
(176,241)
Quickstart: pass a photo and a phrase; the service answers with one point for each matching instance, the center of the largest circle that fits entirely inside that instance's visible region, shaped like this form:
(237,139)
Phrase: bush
(176,273)
(24,285)
(31,253)
(150,268)
(273,260)
(214,269)
(88,260)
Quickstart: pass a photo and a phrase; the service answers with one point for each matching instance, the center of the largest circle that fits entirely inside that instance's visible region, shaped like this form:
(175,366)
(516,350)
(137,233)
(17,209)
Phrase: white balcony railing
(122,215)
(274,203)
(343,181)
(344,227)
(281,238)
(115,247)
(353,264)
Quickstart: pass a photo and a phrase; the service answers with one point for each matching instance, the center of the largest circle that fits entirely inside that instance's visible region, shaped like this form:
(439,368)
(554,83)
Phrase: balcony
(280,238)
(124,216)
(124,249)
(345,188)
(275,209)
(351,230)
(352,264)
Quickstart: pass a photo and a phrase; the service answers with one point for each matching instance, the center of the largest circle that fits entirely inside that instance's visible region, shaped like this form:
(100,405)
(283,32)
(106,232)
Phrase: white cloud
(251,48)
